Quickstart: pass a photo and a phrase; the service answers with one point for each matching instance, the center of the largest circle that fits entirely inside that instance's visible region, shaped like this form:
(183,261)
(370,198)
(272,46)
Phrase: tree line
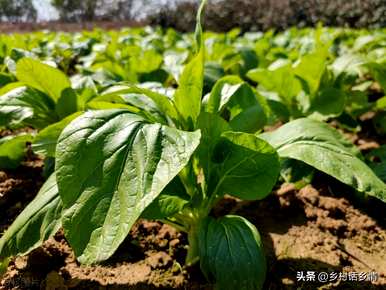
(69,10)
(220,15)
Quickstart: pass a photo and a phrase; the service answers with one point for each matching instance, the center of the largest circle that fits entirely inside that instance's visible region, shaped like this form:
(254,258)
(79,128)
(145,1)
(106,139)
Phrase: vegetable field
(146,158)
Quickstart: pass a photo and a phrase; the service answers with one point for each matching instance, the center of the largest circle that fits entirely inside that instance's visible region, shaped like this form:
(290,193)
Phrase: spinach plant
(42,98)
(174,163)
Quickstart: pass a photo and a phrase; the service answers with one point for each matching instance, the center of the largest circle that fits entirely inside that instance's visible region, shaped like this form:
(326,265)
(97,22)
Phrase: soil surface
(20,27)
(321,228)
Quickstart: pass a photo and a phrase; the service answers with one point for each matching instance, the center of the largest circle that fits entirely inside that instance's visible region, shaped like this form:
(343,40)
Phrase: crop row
(155,124)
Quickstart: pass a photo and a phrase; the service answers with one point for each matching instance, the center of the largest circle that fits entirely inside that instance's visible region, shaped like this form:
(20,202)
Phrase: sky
(45,10)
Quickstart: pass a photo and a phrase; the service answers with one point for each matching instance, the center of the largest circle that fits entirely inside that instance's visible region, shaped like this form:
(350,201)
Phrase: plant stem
(193,250)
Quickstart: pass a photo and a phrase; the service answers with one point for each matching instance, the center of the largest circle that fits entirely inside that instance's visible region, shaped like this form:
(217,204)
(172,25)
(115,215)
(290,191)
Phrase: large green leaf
(111,165)
(45,141)
(43,77)
(231,253)
(12,150)
(248,166)
(37,222)
(322,147)
(25,106)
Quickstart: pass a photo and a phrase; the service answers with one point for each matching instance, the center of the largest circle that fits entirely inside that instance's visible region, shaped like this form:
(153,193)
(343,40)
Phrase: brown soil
(19,27)
(312,229)
(321,228)
(18,188)
(150,258)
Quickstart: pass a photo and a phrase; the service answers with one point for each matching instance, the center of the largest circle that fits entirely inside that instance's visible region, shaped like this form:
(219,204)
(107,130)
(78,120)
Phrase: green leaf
(279,111)
(187,97)
(198,32)
(280,80)
(148,61)
(250,120)
(9,87)
(37,222)
(17,53)
(349,64)
(43,77)
(67,103)
(357,103)
(381,103)
(327,103)
(212,126)
(222,91)
(379,73)
(142,98)
(378,161)
(45,141)
(249,60)
(248,166)
(5,79)
(165,205)
(159,76)
(102,105)
(238,99)
(23,106)
(322,147)
(111,165)
(310,69)
(12,150)
(242,100)
(172,200)
(231,253)
(296,172)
